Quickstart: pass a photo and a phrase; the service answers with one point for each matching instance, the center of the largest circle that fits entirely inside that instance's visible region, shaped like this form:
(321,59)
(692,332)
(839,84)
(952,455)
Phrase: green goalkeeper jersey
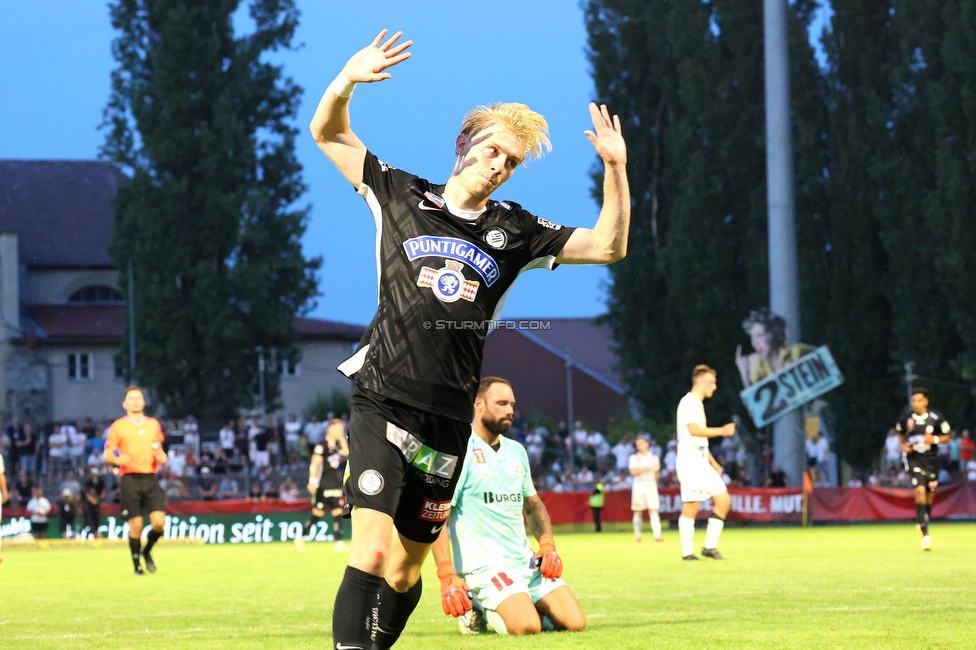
(486,522)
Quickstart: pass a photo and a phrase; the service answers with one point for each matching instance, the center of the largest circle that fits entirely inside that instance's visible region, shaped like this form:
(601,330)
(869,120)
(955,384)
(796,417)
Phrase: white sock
(638,523)
(715,526)
(656,524)
(686,530)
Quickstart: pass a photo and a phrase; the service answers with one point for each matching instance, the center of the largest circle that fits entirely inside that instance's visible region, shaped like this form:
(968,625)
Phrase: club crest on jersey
(448,283)
(911,423)
(519,471)
(456,249)
(479,455)
(496,238)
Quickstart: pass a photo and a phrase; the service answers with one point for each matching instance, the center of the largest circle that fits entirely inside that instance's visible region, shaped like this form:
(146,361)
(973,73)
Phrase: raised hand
(368,64)
(606,136)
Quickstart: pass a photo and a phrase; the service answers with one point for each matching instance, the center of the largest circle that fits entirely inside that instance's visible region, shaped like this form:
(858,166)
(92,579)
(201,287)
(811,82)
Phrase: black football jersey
(443,279)
(914,427)
(332,466)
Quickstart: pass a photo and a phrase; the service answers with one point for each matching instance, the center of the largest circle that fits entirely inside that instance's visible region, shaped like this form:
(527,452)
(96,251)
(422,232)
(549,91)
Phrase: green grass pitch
(824,587)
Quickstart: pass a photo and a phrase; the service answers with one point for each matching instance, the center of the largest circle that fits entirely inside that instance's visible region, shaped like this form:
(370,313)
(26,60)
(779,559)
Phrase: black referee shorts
(404,462)
(141,495)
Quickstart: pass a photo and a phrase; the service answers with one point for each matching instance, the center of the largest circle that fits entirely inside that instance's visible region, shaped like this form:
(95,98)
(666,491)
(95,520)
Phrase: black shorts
(141,495)
(404,462)
(921,471)
(812,461)
(327,499)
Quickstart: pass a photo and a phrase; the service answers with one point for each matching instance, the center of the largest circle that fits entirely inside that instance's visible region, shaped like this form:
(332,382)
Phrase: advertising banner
(796,384)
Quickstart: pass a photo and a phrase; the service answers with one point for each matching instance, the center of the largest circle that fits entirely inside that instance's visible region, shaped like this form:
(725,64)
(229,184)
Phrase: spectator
(74,445)
(600,449)
(313,433)
(172,485)
(954,457)
(622,452)
(892,453)
(191,436)
(13,431)
(92,501)
(944,454)
(39,508)
(584,478)
(228,488)
(596,505)
(206,486)
(226,440)
(971,470)
(57,454)
(6,444)
(293,434)
(72,483)
(517,430)
(25,444)
(289,491)
(966,448)
(23,488)
(95,460)
(177,461)
(671,460)
(811,447)
(255,493)
(67,513)
(777,478)
(534,445)
(262,456)
(97,442)
(654,448)
(823,459)
(854,481)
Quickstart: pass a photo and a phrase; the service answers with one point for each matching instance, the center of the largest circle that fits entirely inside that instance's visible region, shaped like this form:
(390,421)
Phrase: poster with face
(767,333)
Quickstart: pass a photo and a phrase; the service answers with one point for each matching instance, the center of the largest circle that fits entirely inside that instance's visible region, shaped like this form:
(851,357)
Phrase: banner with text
(805,379)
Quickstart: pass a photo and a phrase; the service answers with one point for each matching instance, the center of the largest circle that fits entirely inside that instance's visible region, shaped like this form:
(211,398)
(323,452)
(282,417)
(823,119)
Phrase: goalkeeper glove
(454,591)
(547,560)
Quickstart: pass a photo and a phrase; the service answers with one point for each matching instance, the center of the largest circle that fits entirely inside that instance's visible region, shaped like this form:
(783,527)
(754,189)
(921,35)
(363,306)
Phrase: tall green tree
(200,122)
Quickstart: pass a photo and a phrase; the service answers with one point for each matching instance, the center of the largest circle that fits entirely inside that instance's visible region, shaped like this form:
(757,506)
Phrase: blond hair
(527,125)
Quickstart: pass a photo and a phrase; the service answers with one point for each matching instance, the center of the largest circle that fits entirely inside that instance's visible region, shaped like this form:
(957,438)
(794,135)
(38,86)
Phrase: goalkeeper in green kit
(514,590)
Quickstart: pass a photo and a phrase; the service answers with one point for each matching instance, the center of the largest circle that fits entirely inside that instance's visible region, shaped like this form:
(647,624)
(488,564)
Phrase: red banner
(872,503)
(748,504)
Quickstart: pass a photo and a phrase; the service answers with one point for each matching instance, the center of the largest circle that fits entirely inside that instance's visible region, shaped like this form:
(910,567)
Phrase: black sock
(337,529)
(928,512)
(134,544)
(307,526)
(151,540)
(922,517)
(395,609)
(356,609)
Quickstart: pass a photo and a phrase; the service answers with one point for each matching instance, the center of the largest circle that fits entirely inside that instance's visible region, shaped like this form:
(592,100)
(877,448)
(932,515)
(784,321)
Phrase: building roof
(106,324)
(582,340)
(61,210)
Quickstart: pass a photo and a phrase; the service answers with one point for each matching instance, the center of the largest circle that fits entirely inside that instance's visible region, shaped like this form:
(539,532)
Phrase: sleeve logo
(545,223)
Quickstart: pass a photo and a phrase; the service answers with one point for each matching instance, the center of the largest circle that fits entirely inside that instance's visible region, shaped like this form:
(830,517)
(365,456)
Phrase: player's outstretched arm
(454,590)
(330,126)
(606,242)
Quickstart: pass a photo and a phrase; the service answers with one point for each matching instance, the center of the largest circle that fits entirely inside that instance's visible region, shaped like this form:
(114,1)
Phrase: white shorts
(492,586)
(699,481)
(645,498)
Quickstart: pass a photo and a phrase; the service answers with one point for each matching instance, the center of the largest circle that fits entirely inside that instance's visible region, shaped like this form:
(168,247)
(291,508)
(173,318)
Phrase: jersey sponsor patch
(433,198)
(456,249)
(496,238)
(427,460)
(448,283)
(435,510)
(385,166)
(545,223)
(479,455)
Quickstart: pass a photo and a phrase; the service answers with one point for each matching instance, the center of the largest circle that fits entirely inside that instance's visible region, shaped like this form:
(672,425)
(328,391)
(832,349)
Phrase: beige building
(61,312)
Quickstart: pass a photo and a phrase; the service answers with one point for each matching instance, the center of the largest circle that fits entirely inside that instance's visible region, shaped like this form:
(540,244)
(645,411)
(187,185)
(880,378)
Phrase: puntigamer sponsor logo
(495,497)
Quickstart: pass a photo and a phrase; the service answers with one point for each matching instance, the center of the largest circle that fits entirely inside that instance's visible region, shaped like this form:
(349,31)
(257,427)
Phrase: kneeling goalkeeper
(514,590)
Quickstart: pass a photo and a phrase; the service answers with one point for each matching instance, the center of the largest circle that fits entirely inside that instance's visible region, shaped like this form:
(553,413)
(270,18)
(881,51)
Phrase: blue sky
(55,81)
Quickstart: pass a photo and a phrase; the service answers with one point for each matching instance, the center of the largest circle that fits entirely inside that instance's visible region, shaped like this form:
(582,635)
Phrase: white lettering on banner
(15,526)
(787,503)
(747,503)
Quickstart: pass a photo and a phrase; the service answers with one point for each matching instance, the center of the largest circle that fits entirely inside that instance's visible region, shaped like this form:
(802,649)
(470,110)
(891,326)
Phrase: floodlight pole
(132,325)
(569,411)
(784,299)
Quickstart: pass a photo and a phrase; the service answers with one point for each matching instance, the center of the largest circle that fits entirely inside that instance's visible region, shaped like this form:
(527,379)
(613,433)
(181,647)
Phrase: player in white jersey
(517,590)
(699,475)
(645,467)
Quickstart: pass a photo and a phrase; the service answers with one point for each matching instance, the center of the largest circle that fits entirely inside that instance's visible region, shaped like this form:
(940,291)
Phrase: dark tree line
(200,123)
(884,142)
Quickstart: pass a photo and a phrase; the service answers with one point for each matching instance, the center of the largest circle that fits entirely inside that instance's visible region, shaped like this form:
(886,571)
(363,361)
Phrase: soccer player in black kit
(446,257)
(325,483)
(920,431)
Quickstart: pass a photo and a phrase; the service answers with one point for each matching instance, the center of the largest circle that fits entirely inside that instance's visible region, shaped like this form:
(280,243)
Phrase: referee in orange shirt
(139,442)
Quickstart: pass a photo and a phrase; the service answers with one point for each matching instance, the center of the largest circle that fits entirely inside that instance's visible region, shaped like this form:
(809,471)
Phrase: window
(119,372)
(96,294)
(287,369)
(80,366)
